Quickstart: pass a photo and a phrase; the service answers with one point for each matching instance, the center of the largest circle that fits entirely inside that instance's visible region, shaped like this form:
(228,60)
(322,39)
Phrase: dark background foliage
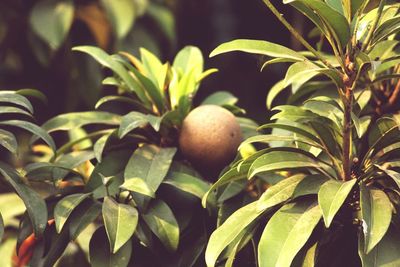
(70,86)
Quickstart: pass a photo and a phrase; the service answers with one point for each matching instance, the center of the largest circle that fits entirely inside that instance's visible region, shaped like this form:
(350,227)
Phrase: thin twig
(296,34)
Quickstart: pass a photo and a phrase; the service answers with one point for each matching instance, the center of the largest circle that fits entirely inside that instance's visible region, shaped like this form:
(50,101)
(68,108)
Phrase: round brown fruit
(209,138)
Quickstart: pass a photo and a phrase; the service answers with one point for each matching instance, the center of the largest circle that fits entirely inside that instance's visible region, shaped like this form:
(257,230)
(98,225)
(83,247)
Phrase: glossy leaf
(107,61)
(286,233)
(151,164)
(8,141)
(279,160)
(385,254)
(279,192)
(187,183)
(65,207)
(163,224)
(69,121)
(84,215)
(229,231)
(138,185)
(331,197)
(100,255)
(11,97)
(52,20)
(34,129)
(337,23)
(135,120)
(120,221)
(257,47)
(34,204)
(376,211)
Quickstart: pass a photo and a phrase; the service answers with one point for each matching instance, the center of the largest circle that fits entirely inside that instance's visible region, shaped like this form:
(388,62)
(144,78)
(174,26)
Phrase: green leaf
(163,224)
(35,205)
(65,207)
(151,164)
(309,185)
(293,127)
(98,147)
(100,255)
(107,61)
(280,160)
(229,231)
(286,233)
(83,215)
(121,14)
(8,141)
(231,175)
(14,110)
(69,121)
(376,211)
(34,129)
(11,97)
(279,192)
(138,185)
(274,92)
(258,47)
(187,183)
(335,22)
(385,254)
(189,58)
(331,197)
(52,20)
(120,221)
(220,98)
(134,120)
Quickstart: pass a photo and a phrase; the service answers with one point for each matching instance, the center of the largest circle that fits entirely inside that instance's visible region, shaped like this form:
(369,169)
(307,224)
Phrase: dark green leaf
(286,233)
(34,129)
(135,120)
(69,121)
(151,164)
(100,255)
(229,231)
(65,207)
(187,183)
(376,212)
(385,253)
(8,141)
(331,197)
(35,205)
(163,224)
(120,221)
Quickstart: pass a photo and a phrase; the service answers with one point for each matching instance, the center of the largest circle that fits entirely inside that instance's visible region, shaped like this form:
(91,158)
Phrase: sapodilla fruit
(209,138)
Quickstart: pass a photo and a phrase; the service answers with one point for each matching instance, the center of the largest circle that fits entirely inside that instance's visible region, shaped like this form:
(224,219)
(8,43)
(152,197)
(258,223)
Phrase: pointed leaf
(257,47)
(187,183)
(65,207)
(121,14)
(163,224)
(229,231)
(376,211)
(286,233)
(8,141)
(135,120)
(120,221)
(151,164)
(35,205)
(100,255)
(331,197)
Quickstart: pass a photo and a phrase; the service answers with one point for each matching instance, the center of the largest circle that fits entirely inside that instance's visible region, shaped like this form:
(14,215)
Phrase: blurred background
(36,37)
